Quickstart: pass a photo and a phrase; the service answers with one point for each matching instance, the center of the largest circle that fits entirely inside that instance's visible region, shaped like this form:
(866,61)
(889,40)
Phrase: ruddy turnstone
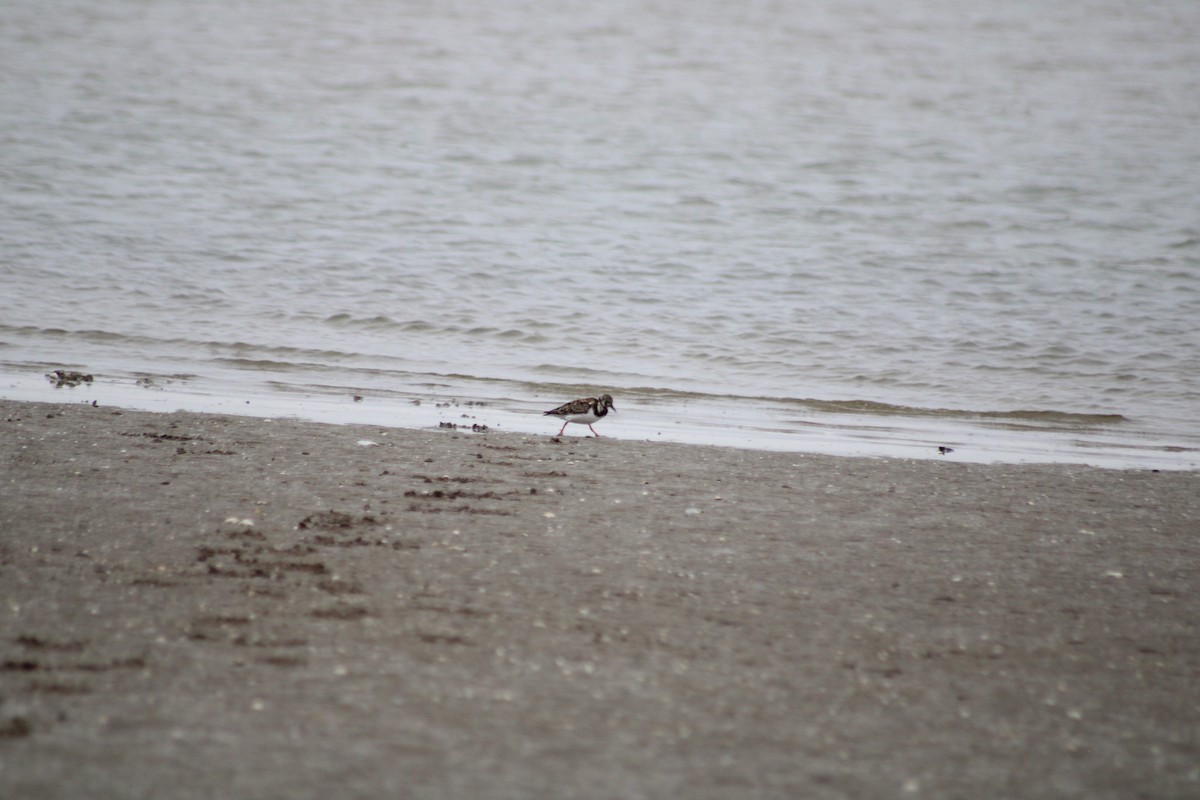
(584,411)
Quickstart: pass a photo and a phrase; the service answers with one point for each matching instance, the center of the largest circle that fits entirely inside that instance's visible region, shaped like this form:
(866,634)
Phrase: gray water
(859,227)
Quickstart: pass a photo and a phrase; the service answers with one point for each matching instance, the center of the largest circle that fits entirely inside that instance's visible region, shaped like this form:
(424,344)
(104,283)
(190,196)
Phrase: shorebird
(584,411)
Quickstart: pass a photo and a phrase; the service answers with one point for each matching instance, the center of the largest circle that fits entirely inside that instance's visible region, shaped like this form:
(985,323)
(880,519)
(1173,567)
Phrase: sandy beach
(197,606)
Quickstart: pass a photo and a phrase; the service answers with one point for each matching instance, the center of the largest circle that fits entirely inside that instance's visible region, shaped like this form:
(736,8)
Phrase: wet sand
(216,606)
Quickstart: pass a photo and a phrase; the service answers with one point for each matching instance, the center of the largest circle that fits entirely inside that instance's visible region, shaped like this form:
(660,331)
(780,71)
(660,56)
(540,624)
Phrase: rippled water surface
(860,227)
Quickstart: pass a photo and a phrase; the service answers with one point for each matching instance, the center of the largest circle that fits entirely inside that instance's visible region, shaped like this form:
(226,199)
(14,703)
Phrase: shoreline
(210,604)
(753,423)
